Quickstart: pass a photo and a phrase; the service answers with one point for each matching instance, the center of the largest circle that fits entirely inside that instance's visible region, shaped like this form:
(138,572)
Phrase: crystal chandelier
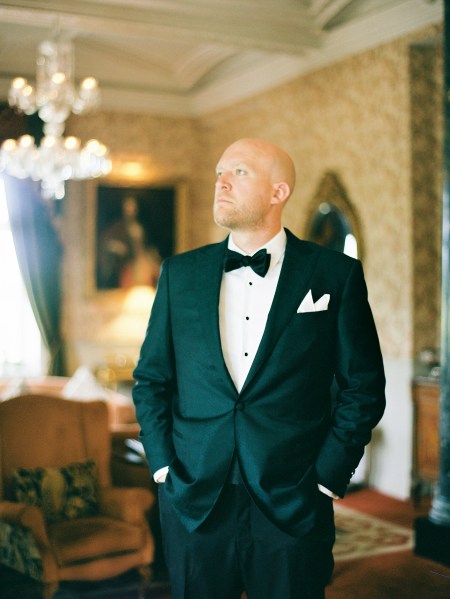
(57,158)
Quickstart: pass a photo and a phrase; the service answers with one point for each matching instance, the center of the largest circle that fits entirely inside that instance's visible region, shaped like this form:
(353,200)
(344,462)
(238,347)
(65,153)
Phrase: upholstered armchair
(60,517)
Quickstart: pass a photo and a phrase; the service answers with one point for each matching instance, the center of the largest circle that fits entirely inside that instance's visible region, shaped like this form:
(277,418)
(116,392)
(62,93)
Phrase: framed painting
(136,227)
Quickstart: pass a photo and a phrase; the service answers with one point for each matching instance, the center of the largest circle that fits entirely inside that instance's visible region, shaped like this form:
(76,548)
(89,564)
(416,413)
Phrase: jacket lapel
(295,276)
(207,288)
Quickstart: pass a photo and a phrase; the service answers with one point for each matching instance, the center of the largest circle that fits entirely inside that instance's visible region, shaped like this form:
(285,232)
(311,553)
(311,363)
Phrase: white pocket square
(308,304)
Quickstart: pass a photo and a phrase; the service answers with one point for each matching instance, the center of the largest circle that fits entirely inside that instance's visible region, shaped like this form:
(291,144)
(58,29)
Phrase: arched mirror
(333,222)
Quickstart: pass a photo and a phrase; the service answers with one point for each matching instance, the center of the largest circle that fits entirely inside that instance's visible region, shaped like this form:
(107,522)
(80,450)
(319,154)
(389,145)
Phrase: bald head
(278,163)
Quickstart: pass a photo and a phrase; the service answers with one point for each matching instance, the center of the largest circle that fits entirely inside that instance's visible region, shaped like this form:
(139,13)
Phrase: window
(20,340)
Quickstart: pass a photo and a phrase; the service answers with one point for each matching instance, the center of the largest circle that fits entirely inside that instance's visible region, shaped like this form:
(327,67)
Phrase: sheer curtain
(39,253)
(21,344)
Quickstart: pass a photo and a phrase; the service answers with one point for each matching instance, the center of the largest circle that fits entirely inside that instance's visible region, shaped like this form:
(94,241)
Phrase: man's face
(244,189)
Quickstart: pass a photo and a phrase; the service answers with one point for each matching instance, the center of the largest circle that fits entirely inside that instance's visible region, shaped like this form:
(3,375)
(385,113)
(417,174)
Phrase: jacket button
(239,406)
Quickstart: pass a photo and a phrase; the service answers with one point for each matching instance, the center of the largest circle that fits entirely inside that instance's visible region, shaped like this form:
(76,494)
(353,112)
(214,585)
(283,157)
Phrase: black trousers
(238,549)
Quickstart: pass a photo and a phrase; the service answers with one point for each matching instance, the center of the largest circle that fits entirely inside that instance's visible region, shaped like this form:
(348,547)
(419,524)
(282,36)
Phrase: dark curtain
(39,253)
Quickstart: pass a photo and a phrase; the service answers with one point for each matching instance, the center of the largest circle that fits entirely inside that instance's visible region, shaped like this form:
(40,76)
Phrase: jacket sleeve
(156,380)
(360,378)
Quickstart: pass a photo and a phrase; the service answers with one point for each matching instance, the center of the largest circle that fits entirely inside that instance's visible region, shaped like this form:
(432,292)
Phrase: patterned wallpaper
(426,69)
(354,118)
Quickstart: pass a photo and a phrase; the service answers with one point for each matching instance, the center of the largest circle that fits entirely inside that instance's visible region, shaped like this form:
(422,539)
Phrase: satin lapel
(296,272)
(207,290)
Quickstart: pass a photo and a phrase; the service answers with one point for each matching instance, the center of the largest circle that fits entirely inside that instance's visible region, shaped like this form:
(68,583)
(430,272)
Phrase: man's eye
(240,171)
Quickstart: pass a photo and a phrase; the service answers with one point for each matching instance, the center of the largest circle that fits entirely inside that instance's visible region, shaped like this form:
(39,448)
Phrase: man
(233,393)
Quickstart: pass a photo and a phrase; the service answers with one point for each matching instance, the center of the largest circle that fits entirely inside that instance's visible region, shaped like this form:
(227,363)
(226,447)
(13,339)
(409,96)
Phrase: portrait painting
(135,231)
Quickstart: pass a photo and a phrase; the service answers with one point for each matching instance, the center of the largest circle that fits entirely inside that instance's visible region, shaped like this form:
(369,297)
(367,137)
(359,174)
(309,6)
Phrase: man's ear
(281,192)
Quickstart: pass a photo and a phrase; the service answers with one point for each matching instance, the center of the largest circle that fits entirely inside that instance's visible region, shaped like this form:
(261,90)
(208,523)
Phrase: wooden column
(433,533)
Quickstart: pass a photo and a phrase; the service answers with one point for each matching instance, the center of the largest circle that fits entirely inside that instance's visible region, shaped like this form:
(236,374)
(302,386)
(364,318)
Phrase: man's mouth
(222,199)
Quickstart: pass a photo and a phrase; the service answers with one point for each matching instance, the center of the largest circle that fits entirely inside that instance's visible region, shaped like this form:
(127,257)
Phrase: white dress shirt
(245,301)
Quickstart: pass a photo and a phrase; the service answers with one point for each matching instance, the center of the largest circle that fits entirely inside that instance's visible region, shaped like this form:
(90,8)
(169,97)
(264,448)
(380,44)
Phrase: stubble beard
(224,219)
(231,218)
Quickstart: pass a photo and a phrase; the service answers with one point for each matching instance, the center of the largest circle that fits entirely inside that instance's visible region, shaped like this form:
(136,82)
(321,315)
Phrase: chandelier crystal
(54,97)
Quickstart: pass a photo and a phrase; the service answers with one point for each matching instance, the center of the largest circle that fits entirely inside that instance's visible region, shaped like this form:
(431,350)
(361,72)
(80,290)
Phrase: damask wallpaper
(426,71)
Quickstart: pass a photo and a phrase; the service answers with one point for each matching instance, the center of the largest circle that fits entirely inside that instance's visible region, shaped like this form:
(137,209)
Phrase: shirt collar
(275,247)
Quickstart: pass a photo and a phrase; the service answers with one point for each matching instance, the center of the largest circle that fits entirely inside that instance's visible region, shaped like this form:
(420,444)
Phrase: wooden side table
(426,445)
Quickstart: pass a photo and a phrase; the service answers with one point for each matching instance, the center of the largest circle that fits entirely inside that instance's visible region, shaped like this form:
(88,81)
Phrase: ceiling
(189,57)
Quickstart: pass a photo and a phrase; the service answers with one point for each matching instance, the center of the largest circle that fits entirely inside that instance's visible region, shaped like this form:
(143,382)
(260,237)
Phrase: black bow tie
(259,262)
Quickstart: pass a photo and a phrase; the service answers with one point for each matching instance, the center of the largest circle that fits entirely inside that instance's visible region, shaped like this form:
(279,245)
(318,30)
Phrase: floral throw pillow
(62,493)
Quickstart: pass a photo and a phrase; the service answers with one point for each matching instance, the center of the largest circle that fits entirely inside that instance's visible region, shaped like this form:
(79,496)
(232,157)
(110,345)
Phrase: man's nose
(222,182)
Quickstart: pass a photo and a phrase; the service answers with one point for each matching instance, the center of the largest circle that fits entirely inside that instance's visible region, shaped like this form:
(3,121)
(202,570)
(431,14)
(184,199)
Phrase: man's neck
(250,241)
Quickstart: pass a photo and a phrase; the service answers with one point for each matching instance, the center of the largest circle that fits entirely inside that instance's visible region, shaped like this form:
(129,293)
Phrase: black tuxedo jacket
(285,430)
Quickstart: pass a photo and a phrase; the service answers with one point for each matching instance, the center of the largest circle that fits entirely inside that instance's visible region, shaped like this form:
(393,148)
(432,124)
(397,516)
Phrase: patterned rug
(359,535)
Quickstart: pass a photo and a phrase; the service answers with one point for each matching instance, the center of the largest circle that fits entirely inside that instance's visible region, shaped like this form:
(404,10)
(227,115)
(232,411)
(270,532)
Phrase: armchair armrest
(32,518)
(130,504)
(11,512)
(28,516)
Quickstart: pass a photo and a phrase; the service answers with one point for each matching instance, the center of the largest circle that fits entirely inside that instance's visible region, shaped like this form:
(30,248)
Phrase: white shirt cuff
(326,491)
(160,475)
